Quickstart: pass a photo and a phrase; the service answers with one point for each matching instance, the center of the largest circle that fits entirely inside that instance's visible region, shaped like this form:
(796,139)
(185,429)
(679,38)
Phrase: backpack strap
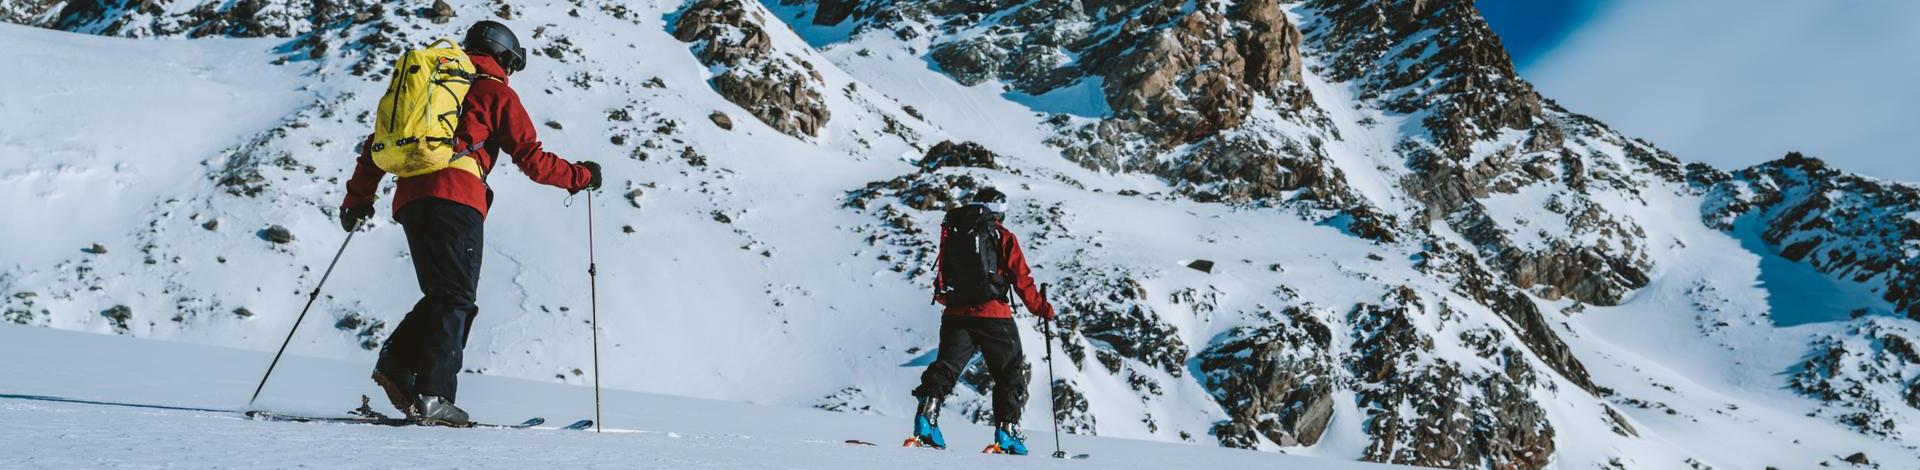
(468,153)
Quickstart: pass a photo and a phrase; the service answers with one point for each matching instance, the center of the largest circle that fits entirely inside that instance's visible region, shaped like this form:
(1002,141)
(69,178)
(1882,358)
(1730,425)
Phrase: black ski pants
(445,240)
(998,339)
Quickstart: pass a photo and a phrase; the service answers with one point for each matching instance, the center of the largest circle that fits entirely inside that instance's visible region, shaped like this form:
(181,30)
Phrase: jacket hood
(485,64)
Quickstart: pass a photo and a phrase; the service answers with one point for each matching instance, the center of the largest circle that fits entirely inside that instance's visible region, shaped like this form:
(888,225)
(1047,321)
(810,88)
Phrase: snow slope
(642,430)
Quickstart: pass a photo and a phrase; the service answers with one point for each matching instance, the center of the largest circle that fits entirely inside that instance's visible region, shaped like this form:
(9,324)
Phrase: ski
(861,443)
(383,421)
(580,425)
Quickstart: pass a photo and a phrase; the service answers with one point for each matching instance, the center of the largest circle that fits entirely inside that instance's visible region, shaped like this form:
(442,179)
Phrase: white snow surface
(641,430)
(787,305)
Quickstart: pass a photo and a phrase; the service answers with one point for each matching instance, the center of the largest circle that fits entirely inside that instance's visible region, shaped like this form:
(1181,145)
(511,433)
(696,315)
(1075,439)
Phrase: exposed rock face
(1114,310)
(1520,312)
(244,18)
(1435,412)
(779,88)
(1867,378)
(1850,227)
(963,154)
(1170,73)
(1582,251)
(1199,74)
(1276,381)
(1461,73)
(1245,169)
(26,11)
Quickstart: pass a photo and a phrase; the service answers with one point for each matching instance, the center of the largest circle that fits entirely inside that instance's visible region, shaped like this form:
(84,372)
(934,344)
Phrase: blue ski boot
(926,425)
(1007,439)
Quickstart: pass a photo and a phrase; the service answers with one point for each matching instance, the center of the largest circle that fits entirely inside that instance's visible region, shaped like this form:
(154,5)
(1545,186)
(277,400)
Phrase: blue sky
(1732,82)
(1530,28)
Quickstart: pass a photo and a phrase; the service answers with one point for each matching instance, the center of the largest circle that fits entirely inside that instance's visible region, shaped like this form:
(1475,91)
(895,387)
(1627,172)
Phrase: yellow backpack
(413,132)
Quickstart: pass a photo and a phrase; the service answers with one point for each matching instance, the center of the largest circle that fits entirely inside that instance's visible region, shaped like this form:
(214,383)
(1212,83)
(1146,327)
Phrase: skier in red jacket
(980,268)
(442,214)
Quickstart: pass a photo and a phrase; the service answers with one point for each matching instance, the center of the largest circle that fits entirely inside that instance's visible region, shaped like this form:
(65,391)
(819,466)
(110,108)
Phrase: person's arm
(1016,269)
(515,135)
(365,181)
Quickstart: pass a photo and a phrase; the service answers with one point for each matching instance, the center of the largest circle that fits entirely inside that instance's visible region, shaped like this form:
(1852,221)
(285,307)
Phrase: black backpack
(970,258)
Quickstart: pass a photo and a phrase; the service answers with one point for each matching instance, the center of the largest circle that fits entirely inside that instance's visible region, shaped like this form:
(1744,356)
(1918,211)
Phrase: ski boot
(397,383)
(436,411)
(1007,439)
(926,425)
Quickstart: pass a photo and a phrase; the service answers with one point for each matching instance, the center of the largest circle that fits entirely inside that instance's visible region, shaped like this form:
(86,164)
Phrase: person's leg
(402,356)
(956,350)
(999,341)
(446,241)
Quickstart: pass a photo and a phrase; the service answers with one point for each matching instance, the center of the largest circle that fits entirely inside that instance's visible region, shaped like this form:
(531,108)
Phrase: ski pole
(311,296)
(593,296)
(1046,326)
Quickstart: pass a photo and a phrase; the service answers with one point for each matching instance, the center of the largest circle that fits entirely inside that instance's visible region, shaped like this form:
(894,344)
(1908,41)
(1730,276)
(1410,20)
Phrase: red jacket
(493,115)
(1014,264)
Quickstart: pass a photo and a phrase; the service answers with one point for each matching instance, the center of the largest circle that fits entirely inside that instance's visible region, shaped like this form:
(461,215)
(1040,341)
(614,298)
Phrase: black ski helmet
(495,39)
(993,199)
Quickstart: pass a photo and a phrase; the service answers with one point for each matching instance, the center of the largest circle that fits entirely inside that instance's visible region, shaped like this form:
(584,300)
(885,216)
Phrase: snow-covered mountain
(1340,228)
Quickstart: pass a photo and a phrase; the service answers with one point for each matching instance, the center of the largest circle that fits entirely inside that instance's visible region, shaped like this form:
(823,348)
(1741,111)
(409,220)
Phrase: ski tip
(579,425)
(531,422)
(860,442)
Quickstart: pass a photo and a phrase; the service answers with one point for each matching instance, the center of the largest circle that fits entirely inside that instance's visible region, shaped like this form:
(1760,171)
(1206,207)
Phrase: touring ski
(384,421)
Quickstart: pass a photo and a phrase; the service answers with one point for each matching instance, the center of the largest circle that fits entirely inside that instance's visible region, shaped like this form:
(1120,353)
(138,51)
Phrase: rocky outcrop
(1520,312)
(1458,69)
(1853,228)
(1244,169)
(27,11)
(1436,412)
(778,87)
(1114,310)
(1191,81)
(1275,382)
(244,18)
(1169,72)
(1586,252)
(963,154)
(1867,378)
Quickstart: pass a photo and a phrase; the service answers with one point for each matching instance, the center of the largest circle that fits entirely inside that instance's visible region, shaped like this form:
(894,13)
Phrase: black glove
(352,217)
(593,176)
